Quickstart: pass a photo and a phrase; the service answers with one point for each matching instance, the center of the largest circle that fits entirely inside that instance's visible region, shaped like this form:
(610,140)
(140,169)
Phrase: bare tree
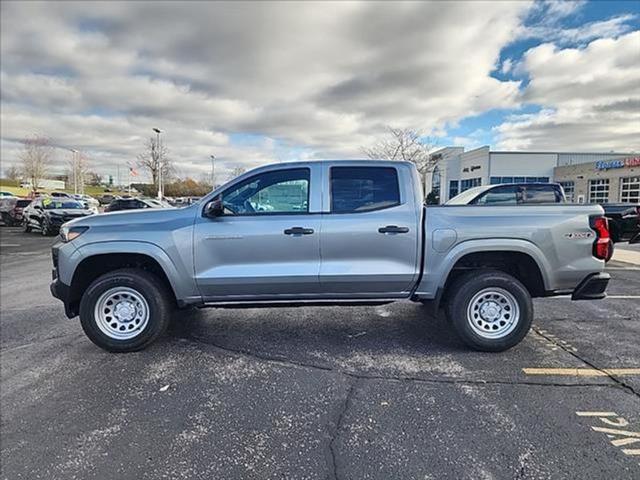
(36,156)
(154,158)
(404,144)
(94,178)
(236,172)
(12,173)
(78,171)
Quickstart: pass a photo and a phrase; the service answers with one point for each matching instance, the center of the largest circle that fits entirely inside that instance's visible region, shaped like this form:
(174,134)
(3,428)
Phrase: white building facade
(458,170)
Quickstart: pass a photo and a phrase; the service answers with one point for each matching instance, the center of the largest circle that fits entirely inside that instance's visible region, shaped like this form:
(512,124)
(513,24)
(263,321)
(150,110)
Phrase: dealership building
(586,177)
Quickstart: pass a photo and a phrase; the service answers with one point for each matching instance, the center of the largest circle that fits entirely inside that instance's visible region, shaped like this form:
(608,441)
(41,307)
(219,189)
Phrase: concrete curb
(627,256)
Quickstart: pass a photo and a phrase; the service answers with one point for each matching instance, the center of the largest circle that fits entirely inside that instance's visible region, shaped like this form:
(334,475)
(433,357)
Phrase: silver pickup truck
(327,232)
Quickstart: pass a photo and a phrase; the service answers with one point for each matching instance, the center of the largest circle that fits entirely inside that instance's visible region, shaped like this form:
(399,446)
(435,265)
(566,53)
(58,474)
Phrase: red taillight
(602,246)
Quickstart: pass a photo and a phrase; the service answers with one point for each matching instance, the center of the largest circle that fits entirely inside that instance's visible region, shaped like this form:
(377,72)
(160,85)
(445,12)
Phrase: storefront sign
(622,163)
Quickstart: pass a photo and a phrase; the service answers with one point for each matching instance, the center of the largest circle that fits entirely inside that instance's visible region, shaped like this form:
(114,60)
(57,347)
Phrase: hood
(131,218)
(69,212)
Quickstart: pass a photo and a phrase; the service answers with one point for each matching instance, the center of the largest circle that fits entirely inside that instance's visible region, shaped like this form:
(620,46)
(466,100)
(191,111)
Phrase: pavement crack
(334,430)
(396,378)
(619,382)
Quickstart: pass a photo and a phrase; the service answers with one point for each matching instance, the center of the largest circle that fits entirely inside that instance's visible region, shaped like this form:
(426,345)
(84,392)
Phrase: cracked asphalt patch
(311,393)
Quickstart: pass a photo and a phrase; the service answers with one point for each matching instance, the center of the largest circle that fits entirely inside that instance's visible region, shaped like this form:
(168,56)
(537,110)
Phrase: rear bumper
(593,287)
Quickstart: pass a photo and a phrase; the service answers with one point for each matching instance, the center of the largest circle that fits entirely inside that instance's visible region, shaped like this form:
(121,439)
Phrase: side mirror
(214,208)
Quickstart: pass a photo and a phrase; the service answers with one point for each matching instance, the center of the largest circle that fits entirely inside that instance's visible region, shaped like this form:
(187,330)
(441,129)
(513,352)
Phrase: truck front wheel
(490,310)
(125,310)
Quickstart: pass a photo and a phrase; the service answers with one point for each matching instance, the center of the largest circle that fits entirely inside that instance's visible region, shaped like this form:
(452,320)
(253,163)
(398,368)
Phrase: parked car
(135,204)
(11,210)
(511,194)
(60,195)
(48,214)
(88,201)
(624,221)
(6,194)
(342,232)
(107,198)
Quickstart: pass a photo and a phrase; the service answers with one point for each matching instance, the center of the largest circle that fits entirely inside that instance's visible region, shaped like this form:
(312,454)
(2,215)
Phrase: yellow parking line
(582,372)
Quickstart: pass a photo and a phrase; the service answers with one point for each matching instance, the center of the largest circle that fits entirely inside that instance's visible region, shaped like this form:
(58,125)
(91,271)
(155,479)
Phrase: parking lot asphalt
(325,392)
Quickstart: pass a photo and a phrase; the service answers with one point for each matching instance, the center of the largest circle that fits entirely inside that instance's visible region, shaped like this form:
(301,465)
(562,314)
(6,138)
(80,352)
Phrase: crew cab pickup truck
(327,232)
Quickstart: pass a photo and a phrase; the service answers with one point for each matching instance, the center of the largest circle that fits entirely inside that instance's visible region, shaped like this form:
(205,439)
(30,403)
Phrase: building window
(500,180)
(470,183)
(569,189)
(599,190)
(630,190)
(454,188)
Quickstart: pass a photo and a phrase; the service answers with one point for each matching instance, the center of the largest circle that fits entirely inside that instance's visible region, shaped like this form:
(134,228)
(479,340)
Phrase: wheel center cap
(490,311)
(125,311)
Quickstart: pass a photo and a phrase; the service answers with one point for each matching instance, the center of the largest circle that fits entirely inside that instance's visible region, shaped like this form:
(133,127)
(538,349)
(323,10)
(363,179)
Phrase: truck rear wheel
(125,310)
(490,310)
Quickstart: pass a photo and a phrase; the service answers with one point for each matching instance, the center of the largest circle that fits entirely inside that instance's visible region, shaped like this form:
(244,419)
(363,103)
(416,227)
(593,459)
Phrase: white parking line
(564,297)
(4,245)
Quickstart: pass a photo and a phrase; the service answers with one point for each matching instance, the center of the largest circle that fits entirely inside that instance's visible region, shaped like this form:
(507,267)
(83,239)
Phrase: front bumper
(60,290)
(63,292)
(593,287)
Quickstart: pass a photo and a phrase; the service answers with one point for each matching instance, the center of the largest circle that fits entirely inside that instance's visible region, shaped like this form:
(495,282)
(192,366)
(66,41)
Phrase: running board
(297,303)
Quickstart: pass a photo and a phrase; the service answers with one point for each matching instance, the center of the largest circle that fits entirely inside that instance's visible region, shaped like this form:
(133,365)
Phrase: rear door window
(362,189)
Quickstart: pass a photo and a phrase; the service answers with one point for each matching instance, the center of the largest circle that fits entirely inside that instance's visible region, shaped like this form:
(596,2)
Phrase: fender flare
(172,272)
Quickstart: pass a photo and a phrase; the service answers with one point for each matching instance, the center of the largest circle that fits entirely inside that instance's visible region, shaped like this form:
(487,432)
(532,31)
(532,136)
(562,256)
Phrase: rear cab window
(507,195)
(541,194)
(363,189)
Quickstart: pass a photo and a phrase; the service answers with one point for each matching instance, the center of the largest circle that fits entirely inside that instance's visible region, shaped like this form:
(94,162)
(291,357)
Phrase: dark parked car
(135,204)
(11,210)
(107,198)
(624,221)
(511,194)
(48,214)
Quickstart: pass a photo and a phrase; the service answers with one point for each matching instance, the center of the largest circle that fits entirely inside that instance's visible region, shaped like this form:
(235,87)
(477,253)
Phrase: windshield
(50,204)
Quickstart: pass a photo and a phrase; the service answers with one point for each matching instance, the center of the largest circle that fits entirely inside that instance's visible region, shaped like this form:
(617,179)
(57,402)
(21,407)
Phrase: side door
(266,244)
(370,232)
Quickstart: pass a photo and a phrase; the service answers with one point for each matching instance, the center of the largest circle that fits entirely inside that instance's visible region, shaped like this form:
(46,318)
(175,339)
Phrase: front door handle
(298,231)
(393,229)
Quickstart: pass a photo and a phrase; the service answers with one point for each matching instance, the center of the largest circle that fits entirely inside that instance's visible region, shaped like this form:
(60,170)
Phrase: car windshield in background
(55,204)
(22,203)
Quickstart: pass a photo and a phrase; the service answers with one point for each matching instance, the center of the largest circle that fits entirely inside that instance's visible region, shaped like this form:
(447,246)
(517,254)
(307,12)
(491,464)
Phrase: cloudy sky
(268,81)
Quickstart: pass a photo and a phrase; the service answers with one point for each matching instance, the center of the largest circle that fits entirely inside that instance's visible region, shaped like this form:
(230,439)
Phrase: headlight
(69,233)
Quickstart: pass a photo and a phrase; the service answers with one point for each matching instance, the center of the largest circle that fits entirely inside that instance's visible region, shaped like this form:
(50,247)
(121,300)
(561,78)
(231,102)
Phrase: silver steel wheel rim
(493,313)
(121,313)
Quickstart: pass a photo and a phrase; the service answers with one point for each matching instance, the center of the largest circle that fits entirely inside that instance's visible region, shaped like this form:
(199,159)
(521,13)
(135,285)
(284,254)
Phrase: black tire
(27,226)
(154,292)
(461,313)
(45,230)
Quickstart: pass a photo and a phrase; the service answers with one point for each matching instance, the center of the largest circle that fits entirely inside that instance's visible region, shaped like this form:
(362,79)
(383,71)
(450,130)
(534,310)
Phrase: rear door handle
(393,229)
(298,231)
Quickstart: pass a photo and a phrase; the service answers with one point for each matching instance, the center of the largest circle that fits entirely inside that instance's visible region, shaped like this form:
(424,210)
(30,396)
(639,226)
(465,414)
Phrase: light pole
(213,172)
(74,166)
(159,162)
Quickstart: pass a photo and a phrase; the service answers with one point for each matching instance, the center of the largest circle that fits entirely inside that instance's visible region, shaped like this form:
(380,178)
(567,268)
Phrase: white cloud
(590,98)
(321,79)
(306,79)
